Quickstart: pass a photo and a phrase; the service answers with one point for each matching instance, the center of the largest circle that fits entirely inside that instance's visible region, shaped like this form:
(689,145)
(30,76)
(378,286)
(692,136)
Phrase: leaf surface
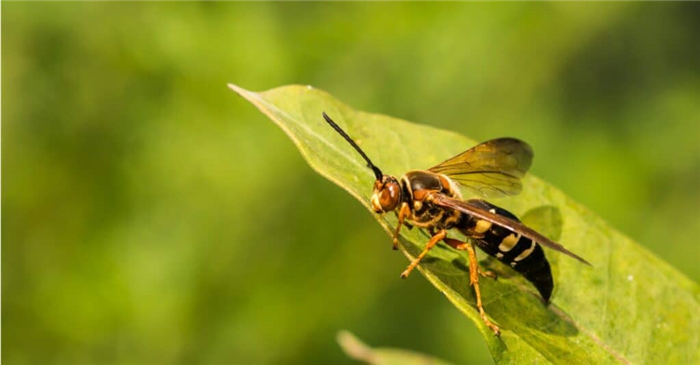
(629,307)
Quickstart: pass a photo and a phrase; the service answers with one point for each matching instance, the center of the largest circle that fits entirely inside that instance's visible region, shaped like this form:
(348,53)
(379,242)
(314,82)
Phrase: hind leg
(474,278)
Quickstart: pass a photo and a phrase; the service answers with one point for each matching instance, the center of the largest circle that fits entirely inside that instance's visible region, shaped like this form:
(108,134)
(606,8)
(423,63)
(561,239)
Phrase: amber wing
(517,227)
(492,169)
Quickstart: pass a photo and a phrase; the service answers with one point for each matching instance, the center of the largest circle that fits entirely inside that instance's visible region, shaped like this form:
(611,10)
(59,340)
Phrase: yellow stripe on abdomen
(508,243)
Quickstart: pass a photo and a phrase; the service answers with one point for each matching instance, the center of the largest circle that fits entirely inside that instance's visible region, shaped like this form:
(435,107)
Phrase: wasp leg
(488,274)
(474,278)
(439,236)
(403,212)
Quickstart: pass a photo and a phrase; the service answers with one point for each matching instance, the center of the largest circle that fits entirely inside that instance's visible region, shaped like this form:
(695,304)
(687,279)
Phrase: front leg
(403,213)
(488,274)
(439,236)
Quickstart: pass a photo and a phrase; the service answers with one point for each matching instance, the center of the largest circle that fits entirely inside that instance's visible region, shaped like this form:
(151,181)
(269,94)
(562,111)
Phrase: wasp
(431,199)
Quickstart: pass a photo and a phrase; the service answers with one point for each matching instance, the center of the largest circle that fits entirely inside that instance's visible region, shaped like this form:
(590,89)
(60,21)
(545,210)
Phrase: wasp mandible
(431,199)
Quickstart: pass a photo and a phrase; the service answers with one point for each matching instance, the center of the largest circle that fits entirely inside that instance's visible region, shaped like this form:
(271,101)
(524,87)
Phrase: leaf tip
(353,347)
(235,88)
(245,94)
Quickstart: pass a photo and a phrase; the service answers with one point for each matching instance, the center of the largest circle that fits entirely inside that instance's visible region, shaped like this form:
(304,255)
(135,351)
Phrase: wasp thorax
(387,194)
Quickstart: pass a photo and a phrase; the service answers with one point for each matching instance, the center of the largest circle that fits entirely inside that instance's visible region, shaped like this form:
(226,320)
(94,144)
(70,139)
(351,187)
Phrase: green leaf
(358,350)
(630,307)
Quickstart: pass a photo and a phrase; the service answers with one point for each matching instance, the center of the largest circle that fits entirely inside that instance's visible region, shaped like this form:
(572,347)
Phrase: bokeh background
(151,216)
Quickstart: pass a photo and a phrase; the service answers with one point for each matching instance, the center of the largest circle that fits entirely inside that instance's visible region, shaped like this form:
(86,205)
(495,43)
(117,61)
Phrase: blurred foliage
(150,216)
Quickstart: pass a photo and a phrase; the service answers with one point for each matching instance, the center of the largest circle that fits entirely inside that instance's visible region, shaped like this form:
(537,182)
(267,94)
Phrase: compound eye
(389,197)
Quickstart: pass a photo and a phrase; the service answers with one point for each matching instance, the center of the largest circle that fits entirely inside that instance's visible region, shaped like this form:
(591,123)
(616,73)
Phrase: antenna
(377,172)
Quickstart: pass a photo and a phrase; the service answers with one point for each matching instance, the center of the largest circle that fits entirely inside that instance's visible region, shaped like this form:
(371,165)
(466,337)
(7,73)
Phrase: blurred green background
(151,216)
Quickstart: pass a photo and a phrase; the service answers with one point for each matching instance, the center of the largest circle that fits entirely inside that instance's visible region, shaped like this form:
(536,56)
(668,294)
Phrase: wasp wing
(505,222)
(493,168)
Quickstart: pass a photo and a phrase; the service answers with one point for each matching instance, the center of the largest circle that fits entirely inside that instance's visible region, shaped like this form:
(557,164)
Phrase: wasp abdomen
(521,253)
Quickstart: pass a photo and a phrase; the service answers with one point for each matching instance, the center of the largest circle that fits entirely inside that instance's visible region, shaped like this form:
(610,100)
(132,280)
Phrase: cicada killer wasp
(431,199)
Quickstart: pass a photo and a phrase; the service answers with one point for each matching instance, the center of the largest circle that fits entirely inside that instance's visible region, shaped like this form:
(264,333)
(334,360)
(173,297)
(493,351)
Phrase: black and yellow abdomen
(521,253)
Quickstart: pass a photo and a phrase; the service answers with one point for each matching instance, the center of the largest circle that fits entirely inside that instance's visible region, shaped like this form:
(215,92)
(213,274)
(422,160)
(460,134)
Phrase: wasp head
(386,195)
(387,190)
